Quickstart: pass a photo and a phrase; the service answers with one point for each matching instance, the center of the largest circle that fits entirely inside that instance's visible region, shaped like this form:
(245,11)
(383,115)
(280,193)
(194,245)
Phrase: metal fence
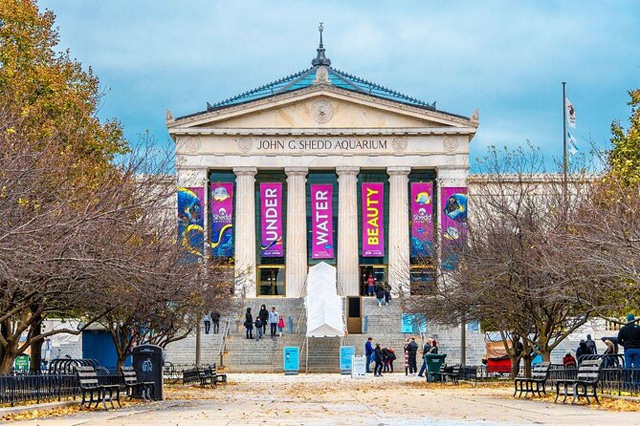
(615,380)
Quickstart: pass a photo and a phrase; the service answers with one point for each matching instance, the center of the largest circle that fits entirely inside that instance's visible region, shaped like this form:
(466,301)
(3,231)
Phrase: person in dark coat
(425,350)
(412,350)
(387,292)
(248,323)
(215,319)
(629,338)
(264,317)
(582,350)
(380,294)
(591,345)
(377,357)
(368,352)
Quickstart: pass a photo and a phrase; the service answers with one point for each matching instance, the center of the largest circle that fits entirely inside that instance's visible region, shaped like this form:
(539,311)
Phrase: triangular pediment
(322,106)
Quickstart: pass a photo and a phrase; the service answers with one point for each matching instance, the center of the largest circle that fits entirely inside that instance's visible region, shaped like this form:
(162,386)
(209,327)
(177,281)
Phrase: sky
(506,58)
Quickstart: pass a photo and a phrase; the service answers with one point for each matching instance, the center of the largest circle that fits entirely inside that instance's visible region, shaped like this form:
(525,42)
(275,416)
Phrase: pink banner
(373,219)
(271,244)
(454,225)
(322,221)
(421,219)
(222,219)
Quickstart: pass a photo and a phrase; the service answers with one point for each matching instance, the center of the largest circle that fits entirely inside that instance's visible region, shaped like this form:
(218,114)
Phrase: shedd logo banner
(271,219)
(222,219)
(322,221)
(421,219)
(372,219)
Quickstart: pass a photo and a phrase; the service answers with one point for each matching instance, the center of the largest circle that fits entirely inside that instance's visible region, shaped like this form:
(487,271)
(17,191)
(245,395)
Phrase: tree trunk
(515,364)
(526,357)
(36,348)
(7,360)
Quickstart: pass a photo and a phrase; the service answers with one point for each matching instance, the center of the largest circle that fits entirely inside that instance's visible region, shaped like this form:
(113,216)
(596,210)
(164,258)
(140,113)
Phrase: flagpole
(564,140)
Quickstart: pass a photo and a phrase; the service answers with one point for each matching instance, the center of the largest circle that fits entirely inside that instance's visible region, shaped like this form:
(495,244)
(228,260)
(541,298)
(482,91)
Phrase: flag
(573,144)
(571,113)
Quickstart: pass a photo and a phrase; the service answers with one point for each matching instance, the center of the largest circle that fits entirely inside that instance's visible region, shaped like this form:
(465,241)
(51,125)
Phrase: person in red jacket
(569,360)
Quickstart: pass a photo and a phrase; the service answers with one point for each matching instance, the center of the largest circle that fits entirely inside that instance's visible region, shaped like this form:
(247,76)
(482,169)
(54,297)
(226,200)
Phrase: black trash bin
(148,363)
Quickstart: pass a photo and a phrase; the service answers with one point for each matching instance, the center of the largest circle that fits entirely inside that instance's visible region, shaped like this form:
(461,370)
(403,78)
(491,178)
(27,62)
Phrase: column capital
(296,171)
(398,170)
(347,170)
(245,171)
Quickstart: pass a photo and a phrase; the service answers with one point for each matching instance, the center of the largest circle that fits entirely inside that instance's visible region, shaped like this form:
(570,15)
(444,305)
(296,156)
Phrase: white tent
(324,307)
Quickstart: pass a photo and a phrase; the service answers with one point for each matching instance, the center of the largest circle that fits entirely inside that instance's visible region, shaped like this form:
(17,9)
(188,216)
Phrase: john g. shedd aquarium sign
(331,144)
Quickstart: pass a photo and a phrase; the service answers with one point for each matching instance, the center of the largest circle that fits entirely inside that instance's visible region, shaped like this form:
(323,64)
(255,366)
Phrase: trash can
(148,363)
(434,361)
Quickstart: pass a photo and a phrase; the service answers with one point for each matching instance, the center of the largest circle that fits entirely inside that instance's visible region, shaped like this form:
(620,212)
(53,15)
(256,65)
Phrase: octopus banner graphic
(191,221)
(271,244)
(222,219)
(454,225)
(322,221)
(421,219)
(373,219)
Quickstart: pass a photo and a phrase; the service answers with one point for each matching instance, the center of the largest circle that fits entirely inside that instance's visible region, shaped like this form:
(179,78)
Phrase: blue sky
(507,58)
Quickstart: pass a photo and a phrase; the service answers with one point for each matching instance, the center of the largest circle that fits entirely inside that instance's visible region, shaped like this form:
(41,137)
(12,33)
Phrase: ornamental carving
(244,144)
(322,112)
(193,145)
(451,144)
(399,144)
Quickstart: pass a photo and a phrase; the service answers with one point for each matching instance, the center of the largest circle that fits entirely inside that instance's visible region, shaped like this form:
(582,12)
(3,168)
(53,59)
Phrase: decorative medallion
(451,144)
(193,145)
(244,144)
(322,112)
(399,144)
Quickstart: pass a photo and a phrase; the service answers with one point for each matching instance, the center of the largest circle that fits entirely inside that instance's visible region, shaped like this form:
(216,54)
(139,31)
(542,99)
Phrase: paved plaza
(253,399)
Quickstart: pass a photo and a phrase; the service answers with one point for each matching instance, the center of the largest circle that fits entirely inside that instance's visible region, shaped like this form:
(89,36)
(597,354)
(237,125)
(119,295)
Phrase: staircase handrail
(223,341)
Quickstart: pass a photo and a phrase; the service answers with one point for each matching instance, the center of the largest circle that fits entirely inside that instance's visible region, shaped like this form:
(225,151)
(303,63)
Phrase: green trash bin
(434,361)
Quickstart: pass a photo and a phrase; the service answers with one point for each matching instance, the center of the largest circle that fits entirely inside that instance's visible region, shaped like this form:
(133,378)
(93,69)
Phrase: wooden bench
(587,380)
(208,376)
(539,377)
(451,374)
(217,377)
(441,374)
(134,388)
(89,384)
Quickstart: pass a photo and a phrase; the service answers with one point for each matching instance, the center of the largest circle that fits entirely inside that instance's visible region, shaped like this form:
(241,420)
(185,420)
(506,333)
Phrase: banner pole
(564,142)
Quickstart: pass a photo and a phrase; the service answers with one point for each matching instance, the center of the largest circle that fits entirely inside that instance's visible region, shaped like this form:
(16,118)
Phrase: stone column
(245,235)
(296,249)
(348,271)
(398,238)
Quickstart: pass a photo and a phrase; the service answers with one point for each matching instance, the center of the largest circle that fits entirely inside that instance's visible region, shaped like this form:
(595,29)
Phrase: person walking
(273,321)
(264,316)
(280,325)
(377,356)
(248,323)
(368,353)
(387,292)
(591,345)
(629,338)
(425,350)
(371,285)
(412,349)
(215,319)
(380,294)
(258,327)
(207,323)
(406,357)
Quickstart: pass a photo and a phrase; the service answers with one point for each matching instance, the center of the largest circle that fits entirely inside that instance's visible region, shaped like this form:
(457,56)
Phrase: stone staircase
(183,352)
(324,355)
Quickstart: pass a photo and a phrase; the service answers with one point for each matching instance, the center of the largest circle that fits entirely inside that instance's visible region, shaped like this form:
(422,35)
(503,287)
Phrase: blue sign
(291,359)
(414,323)
(346,352)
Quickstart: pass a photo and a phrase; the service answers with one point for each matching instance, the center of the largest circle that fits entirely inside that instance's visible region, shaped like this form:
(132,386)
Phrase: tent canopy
(325,316)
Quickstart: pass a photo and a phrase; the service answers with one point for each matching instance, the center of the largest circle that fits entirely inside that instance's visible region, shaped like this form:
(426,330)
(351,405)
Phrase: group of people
(384,356)
(212,318)
(264,317)
(382,291)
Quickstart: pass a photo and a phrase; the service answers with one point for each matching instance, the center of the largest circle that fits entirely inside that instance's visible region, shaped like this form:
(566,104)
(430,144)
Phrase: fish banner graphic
(421,219)
(322,221)
(454,225)
(373,219)
(222,219)
(271,244)
(191,221)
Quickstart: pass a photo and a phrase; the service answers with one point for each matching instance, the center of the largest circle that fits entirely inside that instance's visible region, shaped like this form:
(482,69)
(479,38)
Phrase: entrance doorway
(378,272)
(354,315)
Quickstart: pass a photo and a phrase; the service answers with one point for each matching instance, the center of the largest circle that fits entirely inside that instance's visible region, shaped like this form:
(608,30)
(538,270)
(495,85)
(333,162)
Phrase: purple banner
(271,244)
(222,219)
(373,219)
(191,221)
(454,225)
(322,221)
(421,219)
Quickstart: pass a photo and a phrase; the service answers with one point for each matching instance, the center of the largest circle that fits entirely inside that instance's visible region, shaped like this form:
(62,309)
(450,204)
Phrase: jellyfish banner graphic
(322,221)
(222,219)
(191,221)
(271,244)
(421,219)
(372,220)
(454,225)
